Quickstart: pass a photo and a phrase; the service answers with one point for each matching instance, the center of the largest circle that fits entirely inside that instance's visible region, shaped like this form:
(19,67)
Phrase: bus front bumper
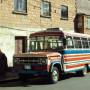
(33,74)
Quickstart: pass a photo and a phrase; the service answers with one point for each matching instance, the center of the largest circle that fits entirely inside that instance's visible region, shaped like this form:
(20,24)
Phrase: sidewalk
(9,76)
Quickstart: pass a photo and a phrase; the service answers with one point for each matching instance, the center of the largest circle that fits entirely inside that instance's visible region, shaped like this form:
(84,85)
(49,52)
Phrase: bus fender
(56,64)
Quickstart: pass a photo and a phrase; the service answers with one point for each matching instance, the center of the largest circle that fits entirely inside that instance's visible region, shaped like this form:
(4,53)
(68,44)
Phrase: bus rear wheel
(82,72)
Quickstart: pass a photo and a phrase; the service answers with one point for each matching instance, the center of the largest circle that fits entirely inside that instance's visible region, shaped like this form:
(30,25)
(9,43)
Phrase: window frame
(20,8)
(64,14)
(88,20)
(89,42)
(68,41)
(85,43)
(77,42)
(42,11)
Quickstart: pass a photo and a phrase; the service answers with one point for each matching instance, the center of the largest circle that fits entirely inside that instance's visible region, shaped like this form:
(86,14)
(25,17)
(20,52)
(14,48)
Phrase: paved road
(70,83)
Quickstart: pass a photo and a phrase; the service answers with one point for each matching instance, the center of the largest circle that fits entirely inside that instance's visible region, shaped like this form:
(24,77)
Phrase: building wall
(83,8)
(81,24)
(7,42)
(33,19)
(12,25)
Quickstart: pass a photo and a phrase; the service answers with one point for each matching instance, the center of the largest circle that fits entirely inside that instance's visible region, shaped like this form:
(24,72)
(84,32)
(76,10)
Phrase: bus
(52,53)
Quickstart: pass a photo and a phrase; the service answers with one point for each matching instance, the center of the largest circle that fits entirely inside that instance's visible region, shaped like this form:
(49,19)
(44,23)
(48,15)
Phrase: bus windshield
(46,43)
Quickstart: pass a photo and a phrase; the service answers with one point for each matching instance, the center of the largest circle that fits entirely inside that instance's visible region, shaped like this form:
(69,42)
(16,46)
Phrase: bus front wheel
(54,75)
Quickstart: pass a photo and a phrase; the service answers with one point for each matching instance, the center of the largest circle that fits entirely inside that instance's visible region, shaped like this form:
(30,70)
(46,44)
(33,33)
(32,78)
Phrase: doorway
(20,44)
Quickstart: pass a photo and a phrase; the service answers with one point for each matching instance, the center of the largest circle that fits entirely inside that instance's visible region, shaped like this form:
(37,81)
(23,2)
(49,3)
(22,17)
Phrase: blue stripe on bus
(76,51)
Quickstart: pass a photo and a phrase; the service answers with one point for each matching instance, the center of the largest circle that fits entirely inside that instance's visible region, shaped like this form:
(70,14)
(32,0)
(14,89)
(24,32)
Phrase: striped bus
(54,52)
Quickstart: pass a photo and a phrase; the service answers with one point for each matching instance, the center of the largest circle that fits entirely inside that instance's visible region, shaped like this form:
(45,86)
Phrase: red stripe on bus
(73,66)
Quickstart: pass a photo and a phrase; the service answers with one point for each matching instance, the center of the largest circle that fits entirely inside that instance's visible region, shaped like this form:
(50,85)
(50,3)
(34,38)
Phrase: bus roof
(58,32)
(76,34)
(48,32)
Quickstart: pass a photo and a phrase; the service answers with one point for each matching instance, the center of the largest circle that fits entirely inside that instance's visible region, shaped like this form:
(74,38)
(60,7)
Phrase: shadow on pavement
(29,83)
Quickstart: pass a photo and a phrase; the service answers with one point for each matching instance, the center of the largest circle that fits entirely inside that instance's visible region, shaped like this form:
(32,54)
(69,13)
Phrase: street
(72,82)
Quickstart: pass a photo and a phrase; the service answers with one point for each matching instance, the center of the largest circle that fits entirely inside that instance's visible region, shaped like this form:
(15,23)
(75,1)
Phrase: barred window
(77,42)
(85,43)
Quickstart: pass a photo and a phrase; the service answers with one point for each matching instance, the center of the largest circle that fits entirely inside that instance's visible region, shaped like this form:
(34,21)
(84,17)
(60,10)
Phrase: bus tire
(82,72)
(54,75)
(87,66)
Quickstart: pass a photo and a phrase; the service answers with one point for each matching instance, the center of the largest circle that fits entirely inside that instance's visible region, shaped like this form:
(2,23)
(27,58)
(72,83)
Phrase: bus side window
(69,42)
(89,42)
(32,46)
(77,42)
(85,43)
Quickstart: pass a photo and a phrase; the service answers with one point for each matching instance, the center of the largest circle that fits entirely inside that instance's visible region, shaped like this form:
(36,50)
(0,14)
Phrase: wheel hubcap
(55,75)
(84,71)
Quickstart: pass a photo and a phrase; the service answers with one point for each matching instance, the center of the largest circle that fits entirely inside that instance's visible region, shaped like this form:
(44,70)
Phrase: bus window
(69,42)
(54,42)
(85,43)
(32,46)
(39,45)
(77,42)
(89,42)
(46,43)
(58,44)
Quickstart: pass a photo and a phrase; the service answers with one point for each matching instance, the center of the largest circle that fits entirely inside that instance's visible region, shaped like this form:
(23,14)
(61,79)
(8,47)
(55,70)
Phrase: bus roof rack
(54,29)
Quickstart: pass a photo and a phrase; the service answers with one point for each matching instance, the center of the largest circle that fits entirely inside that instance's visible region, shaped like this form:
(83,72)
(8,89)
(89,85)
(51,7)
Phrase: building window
(88,22)
(20,6)
(45,9)
(64,12)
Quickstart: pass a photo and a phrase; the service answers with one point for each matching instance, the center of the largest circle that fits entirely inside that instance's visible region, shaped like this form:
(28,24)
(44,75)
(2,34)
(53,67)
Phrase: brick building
(82,21)
(19,18)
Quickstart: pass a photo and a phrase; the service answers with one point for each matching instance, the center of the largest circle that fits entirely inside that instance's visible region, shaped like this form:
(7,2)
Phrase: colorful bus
(52,53)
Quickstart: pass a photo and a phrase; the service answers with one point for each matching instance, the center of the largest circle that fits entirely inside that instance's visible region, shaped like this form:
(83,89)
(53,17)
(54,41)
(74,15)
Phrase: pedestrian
(3,64)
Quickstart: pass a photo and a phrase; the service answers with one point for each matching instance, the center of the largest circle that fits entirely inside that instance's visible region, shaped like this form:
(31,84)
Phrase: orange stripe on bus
(76,59)
(66,56)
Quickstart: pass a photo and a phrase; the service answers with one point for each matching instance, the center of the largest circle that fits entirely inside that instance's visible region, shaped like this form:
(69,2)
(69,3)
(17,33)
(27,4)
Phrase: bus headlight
(16,60)
(42,60)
